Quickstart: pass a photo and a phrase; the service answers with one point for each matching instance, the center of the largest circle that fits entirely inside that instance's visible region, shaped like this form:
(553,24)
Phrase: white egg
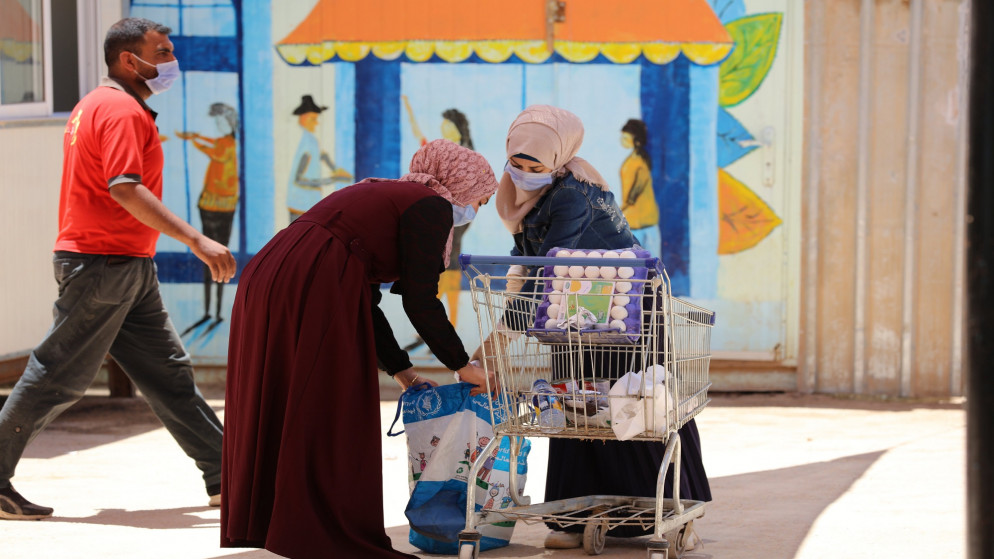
(561,271)
(592,272)
(555,297)
(576,271)
(610,254)
(579,254)
(622,287)
(553,311)
(627,254)
(558,285)
(619,324)
(626,272)
(620,300)
(619,313)
(562,253)
(607,272)
(594,254)
(551,323)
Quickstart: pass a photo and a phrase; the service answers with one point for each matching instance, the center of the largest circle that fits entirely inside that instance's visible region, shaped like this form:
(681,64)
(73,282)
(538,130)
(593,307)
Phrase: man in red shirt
(110,217)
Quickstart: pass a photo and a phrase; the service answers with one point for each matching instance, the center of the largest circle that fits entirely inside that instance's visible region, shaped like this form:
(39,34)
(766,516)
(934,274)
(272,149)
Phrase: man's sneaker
(15,507)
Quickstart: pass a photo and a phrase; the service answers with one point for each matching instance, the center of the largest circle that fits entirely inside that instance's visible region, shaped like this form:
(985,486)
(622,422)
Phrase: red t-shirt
(109,139)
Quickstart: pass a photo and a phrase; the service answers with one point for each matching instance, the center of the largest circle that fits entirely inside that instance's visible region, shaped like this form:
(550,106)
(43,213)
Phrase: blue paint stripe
(257,124)
(377,118)
(185,267)
(242,222)
(704,182)
(206,54)
(665,101)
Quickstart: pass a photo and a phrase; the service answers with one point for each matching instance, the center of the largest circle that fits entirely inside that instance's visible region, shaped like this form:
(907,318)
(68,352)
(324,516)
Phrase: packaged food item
(547,407)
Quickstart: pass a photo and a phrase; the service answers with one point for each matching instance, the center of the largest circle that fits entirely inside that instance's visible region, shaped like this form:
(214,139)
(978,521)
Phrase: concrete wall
(883,304)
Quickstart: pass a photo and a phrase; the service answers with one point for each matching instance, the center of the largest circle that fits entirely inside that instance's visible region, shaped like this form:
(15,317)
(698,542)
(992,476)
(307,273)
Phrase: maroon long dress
(302,459)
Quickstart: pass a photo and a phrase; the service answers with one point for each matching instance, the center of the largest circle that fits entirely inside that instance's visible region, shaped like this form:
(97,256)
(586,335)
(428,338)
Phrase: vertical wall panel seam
(958,338)
(911,205)
(860,271)
(808,380)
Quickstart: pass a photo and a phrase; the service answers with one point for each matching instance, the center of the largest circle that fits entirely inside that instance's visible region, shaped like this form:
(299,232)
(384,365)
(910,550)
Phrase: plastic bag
(446,430)
(638,396)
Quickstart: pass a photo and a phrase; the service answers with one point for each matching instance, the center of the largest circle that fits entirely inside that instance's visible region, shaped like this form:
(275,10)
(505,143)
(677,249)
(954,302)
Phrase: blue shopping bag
(446,430)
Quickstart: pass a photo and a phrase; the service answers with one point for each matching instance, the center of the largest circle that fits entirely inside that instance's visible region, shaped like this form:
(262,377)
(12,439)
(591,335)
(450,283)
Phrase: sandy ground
(805,477)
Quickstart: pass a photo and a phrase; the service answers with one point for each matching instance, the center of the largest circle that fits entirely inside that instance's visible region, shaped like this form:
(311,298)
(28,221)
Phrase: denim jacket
(573,214)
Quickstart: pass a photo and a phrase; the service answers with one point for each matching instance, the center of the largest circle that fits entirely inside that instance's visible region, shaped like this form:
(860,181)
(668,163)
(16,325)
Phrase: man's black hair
(129,35)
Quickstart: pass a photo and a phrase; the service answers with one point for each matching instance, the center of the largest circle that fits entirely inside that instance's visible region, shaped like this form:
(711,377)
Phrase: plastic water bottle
(548,407)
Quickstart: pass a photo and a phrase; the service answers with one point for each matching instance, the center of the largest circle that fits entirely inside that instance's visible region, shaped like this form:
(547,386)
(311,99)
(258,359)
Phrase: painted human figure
(488,465)
(481,444)
(638,201)
(306,176)
(219,197)
(494,492)
(434,445)
(455,127)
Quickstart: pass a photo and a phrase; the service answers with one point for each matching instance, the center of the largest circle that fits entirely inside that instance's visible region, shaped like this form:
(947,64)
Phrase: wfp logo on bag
(422,405)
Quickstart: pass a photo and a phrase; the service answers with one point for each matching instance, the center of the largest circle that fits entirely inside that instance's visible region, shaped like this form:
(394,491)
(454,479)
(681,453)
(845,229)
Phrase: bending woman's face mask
(461,215)
(527,181)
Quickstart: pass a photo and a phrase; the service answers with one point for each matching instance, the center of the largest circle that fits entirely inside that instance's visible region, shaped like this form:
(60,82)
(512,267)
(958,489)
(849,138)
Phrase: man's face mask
(168,72)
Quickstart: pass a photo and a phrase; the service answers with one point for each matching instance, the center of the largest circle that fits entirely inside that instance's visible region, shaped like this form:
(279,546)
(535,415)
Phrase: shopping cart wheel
(657,549)
(679,539)
(594,536)
(469,545)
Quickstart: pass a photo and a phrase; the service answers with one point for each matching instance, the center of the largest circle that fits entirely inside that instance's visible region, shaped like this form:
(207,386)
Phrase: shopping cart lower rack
(560,346)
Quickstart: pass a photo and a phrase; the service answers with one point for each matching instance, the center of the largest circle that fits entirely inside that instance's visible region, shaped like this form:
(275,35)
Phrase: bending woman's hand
(409,377)
(478,376)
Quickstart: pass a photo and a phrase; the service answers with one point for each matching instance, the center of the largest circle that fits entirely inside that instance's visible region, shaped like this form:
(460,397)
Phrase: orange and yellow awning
(495,30)
(20,35)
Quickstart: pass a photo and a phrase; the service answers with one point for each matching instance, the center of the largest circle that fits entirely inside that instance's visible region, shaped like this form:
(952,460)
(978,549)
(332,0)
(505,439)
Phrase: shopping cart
(665,338)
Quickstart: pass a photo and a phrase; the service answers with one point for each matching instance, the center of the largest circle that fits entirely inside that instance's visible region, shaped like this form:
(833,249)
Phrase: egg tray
(606,330)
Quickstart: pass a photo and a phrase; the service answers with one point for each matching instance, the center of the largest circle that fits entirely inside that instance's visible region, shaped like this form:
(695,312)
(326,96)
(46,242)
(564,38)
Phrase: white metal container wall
(30,171)
(30,174)
(883,304)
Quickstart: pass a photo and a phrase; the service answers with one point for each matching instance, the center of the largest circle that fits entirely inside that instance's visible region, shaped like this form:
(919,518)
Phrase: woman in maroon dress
(302,457)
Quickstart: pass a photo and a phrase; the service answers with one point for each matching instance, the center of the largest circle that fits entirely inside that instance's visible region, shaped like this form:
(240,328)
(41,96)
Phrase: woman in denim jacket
(550,198)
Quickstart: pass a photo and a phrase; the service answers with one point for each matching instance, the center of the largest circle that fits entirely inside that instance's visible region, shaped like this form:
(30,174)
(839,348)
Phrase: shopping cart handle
(465,260)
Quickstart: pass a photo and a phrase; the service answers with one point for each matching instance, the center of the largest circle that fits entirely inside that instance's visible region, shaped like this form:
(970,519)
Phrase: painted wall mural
(329,92)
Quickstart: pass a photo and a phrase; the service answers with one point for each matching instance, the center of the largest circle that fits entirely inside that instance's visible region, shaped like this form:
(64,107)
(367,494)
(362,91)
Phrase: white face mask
(527,181)
(168,73)
(461,215)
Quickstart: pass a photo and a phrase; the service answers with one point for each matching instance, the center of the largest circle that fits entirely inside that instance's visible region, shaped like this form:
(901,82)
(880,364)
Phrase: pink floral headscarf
(460,175)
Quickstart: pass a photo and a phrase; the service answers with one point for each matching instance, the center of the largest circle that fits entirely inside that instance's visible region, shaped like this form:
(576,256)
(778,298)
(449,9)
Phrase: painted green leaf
(756,38)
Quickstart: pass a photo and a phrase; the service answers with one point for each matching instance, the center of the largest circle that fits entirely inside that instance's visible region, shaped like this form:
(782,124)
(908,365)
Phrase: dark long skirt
(628,468)
(625,468)
(302,457)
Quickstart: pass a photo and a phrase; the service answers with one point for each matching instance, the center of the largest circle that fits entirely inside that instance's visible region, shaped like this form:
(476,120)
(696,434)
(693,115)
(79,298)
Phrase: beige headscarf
(552,136)
(460,175)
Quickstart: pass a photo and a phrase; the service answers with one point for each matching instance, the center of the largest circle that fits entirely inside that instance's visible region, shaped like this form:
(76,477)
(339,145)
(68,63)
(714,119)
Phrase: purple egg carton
(602,332)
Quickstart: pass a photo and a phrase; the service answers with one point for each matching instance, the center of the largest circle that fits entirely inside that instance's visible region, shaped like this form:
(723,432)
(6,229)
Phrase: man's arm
(141,203)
